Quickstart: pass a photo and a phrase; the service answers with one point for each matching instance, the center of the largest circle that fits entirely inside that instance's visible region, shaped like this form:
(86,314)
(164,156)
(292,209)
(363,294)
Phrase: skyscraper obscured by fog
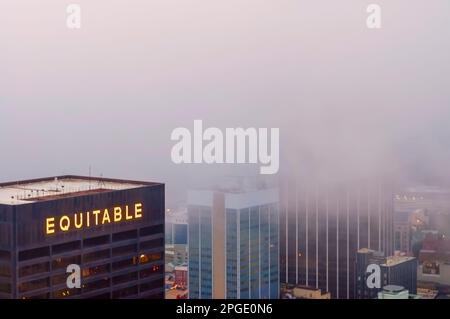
(323,224)
(233,244)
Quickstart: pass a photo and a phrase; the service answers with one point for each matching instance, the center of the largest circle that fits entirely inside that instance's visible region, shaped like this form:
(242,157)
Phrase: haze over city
(108,96)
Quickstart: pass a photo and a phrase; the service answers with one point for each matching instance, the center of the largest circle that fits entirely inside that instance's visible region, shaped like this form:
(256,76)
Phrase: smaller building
(395,292)
(434,260)
(302,292)
(181,276)
(396,270)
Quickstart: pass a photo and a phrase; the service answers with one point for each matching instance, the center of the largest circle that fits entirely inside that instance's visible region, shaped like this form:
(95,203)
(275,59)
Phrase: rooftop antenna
(101,182)
(89,177)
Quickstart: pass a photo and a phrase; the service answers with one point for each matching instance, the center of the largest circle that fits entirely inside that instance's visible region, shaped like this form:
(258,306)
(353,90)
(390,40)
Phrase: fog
(352,100)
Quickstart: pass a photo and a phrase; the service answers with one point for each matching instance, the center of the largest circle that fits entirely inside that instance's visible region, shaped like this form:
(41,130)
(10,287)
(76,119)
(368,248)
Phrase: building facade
(393,270)
(322,226)
(233,244)
(112,229)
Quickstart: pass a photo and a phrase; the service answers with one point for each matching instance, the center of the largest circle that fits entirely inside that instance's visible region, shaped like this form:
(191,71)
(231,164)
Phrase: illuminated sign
(98,217)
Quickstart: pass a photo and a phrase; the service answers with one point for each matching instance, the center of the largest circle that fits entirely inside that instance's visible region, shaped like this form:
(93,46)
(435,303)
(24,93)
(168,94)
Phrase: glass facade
(251,248)
(322,228)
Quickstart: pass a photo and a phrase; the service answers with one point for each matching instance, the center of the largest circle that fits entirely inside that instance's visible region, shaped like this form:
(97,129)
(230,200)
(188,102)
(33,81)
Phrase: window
(60,263)
(101,296)
(156,296)
(5,270)
(152,230)
(97,255)
(34,269)
(122,293)
(34,253)
(124,250)
(40,296)
(152,285)
(125,278)
(62,248)
(156,269)
(124,264)
(99,284)
(59,279)
(96,241)
(34,285)
(125,235)
(5,287)
(64,293)
(94,271)
(148,258)
(5,255)
(155,243)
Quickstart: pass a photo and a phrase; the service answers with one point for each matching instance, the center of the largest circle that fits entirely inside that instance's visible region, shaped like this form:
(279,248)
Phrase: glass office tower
(324,224)
(233,244)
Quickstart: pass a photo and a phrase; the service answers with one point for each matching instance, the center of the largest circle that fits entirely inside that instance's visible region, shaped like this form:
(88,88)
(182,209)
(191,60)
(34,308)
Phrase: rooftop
(29,191)
(395,260)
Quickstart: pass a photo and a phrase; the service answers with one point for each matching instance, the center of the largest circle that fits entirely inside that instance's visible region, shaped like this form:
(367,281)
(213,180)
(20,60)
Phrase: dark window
(59,263)
(157,269)
(152,285)
(62,248)
(152,230)
(5,287)
(5,270)
(5,255)
(99,284)
(124,250)
(59,279)
(131,234)
(34,253)
(125,278)
(40,296)
(97,255)
(122,293)
(34,269)
(155,243)
(96,241)
(156,296)
(34,284)
(106,295)
(124,263)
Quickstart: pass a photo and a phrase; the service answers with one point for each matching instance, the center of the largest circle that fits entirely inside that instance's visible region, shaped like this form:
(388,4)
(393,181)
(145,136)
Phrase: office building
(393,270)
(113,229)
(233,244)
(324,223)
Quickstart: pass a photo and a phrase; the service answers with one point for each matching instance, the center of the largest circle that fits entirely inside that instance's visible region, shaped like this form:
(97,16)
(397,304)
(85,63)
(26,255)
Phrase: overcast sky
(109,95)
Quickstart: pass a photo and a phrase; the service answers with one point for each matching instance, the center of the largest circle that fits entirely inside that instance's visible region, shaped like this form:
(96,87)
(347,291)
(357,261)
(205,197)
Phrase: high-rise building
(176,227)
(112,229)
(402,232)
(233,244)
(322,226)
(176,237)
(393,270)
